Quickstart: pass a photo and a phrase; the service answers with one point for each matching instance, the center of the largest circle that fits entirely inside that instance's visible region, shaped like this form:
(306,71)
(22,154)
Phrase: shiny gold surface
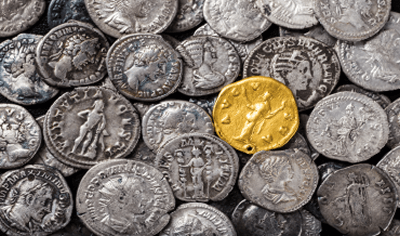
(254,114)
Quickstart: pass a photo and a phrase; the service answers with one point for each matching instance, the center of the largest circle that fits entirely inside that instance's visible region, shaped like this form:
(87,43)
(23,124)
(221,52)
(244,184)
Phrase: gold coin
(254,114)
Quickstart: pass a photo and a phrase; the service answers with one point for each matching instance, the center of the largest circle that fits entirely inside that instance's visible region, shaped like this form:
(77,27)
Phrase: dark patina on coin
(61,11)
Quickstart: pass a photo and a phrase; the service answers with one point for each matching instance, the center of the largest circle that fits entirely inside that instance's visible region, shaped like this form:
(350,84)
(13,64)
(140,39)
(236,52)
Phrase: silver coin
(210,63)
(390,163)
(118,18)
(302,130)
(142,107)
(190,15)
(34,200)
(72,54)
(20,136)
(19,81)
(348,126)
(310,226)
(393,230)
(239,20)
(18,16)
(281,181)
(124,197)
(381,99)
(353,20)
(61,11)
(171,40)
(317,32)
(328,168)
(207,103)
(107,84)
(308,67)
(393,115)
(143,153)
(250,219)
(89,125)
(144,67)
(198,219)
(173,118)
(358,200)
(74,228)
(293,14)
(199,167)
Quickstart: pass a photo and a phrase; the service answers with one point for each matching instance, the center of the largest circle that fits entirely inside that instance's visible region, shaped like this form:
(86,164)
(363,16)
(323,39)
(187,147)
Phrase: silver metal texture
(390,163)
(316,32)
(61,11)
(381,99)
(190,15)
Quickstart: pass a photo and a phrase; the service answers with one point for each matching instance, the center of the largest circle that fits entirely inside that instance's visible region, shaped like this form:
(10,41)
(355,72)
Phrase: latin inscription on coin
(317,32)
(391,164)
(61,11)
(393,114)
(207,103)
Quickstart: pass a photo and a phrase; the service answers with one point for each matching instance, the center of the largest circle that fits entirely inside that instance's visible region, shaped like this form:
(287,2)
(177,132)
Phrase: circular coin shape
(381,99)
(311,226)
(124,197)
(89,125)
(199,167)
(393,115)
(390,163)
(61,11)
(210,63)
(308,67)
(72,54)
(353,21)
(197,219)
(358,200)
(317,32)
(118,18)
(34,200)
(144,67)
(257,113)
(393,230)
(281,181)
(348,126)
(19,81)
(190,15)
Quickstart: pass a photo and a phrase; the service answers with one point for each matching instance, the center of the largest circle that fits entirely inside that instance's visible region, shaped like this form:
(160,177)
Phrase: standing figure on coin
(197,166)
(347,130)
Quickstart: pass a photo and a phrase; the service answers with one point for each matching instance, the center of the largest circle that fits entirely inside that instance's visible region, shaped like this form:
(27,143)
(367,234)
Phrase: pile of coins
(178,117)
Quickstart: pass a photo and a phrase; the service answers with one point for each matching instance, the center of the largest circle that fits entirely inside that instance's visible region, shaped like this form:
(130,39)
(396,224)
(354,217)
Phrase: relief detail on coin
(393,114)
(61,11)
(190,14)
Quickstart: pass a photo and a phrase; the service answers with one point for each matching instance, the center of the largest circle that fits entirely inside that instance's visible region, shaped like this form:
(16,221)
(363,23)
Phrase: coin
(124,197)
(254,114)
(348,126)
(61,11)
(199,167)
(19,81)
(207,102)
(35,200)
(144,67)
(308,67)
(310,226)
(302,130)
(190,15)
(390,163)
(358,200)
(171,40)
(393,230)
(316,32)
(74,228)
(393,115)
(173,118)
(198,219)
(143,153)
(72,54)
(381,99)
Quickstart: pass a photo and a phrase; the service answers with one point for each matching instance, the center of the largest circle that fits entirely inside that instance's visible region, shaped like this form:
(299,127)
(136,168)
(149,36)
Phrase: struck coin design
(317,32)
(390,163)
(393,230)
(358,200)
(124,197)
(281,181)
(190,15)
(393,115)
(199,167)
(144,67)
(89,125)
(311,226)
(348,126)
(61,11)
(34,200)
(207,103)
(381,99)
(308,67)
(72,54)
(257,113)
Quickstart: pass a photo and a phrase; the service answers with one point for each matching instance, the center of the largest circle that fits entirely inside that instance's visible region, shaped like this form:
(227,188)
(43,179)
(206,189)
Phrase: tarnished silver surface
(358,200)
(123,17)
(281,181)
(250,219)
(74,228)
(17,15)
(328,168)
(199,167)
(393,115)
(198,219)
(317,32)
(19,80)
(89,125)
(142,107)
(354,20)
(307,66)
(107,84)
(190,15)
(72,54)
(390,163)
(210,63)
(144,67)
(207,103)
(34,201)
(143,153)
(381,99)
(61,11)
(173,118)
(124,197)
(393,230)
(302,130)
(171,40)
(311,226)
(239,20)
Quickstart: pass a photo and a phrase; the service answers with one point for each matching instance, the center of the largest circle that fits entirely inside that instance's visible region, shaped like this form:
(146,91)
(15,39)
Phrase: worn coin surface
(348,126)
(74,228)
(198,219)
(239,20)
(353,20)
(19,80)
(72,54)
(89,125)
(254,114)
(34,200)
(281,181)
(124,197)
(61,11)
(171,40)
(393,115)
(17,16)
(250,219)
(381,99)
(118,18)
(317,32)
(144,67)
(199,167)
(358,200)
(173,118)
(393,230)
(143,153)
(207,103)
(311,226)
(390,163)
(190,15)
(308,67)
